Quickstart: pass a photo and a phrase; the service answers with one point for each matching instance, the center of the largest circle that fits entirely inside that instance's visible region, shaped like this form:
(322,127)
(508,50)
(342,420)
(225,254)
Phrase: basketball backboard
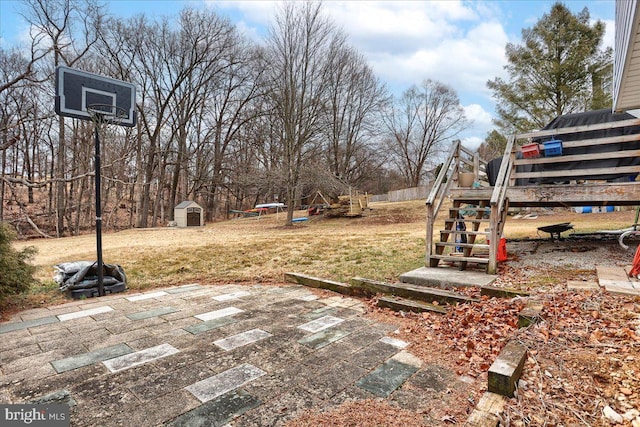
(82,95)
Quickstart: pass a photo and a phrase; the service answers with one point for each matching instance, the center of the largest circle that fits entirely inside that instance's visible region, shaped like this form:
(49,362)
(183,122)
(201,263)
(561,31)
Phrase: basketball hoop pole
(98,212)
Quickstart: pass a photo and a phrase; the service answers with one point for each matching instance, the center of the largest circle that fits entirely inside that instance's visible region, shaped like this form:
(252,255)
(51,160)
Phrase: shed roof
(186,204)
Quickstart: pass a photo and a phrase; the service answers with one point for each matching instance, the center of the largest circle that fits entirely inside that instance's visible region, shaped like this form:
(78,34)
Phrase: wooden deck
(586,194)
(588,158)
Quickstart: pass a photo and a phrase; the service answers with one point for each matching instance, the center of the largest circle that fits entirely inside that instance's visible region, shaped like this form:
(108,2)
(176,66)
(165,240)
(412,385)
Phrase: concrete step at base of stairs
(447,278)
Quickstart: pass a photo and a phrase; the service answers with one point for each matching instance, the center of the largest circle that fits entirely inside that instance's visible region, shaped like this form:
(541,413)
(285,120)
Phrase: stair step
(467,221)
(462,245)
(465,232)
(398,304)
(461,258)
(406,290)
(461,208)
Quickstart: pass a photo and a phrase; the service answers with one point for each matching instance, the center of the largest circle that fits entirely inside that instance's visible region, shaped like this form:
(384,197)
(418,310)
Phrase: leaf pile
(470,335)
(583,357)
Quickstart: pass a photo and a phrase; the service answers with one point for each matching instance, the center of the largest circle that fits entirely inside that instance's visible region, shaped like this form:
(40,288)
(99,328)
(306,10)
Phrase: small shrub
(16,275)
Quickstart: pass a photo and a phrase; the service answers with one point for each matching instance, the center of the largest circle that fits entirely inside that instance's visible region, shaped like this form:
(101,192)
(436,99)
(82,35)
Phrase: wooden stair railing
(500,204)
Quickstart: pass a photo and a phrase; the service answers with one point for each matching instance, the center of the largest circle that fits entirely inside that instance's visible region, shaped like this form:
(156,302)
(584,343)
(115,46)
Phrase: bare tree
(71,28)
(419,124)
(298,47)
(354,99)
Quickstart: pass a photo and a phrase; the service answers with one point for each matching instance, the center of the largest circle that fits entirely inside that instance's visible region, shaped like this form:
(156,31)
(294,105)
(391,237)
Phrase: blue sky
(460,43)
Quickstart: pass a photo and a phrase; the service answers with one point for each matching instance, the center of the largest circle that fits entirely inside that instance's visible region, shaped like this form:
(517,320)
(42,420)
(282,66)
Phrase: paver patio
(207,355)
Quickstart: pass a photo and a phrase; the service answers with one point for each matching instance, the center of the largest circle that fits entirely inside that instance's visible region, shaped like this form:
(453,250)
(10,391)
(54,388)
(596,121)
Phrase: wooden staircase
(483,215)
(458,239)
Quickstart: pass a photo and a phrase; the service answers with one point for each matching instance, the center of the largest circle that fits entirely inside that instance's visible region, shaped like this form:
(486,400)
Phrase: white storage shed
(188,214)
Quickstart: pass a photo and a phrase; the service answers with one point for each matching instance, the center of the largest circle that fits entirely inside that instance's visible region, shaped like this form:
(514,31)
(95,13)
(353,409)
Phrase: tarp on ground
(76,275)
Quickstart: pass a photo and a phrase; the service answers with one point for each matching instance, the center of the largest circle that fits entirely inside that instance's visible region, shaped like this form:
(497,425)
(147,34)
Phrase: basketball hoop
(104,101)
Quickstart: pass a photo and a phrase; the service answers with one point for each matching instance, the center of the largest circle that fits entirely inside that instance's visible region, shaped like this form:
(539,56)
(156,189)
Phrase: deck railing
(547,169)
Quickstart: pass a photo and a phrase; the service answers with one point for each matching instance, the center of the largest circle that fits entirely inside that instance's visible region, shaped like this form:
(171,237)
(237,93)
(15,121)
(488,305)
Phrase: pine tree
(560,68)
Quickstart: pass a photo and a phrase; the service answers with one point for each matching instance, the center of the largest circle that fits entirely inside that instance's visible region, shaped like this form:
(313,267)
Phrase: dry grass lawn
(386,242)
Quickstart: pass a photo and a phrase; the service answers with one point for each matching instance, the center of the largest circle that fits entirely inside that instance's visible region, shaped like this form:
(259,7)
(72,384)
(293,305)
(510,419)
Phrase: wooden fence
(406,194)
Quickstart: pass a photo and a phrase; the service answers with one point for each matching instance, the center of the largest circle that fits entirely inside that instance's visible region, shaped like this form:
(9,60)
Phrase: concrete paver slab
(60,397)
(157,411)
(209,325)
(308,297)
(147,296)
(323,338)
(320,324)
(407,358)
(184,288)
(241,339)
(320,312)
(17,326)
(156,312)
(225,382)
(223,312)
(387,378)
(231,296)
(371,356)
(84,313)
(139,357)
(91,357)
(9,356)
(216,413)
(397,343)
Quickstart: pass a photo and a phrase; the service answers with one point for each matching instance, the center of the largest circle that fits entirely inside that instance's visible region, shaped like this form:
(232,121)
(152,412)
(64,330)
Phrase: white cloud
(609,34)
(465,62)
(472,142)
(457,43)
(481,124)
(477,114)
(397,26)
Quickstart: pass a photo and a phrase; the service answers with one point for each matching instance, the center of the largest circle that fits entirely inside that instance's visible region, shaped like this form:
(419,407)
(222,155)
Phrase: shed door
(193,217)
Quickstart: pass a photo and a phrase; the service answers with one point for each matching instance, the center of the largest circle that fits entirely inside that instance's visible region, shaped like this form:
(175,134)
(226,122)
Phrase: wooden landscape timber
(487,412)
(315,282)
(403,304)
(505,371)
(406,290)
(530,314)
